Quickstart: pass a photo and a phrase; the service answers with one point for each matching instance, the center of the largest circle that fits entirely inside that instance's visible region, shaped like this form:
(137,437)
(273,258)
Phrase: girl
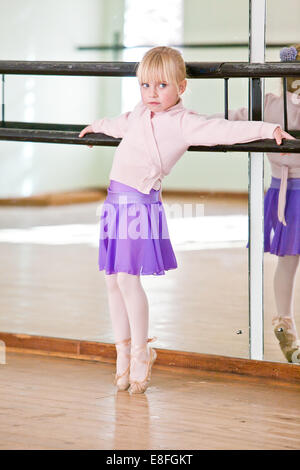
(282,210)
(155,134)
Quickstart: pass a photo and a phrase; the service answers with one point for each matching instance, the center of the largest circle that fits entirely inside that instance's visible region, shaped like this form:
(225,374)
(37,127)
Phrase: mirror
(51,285)
(281,261)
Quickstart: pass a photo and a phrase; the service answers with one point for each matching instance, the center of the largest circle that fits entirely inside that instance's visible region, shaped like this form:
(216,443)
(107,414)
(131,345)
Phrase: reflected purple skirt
(134,235)
(282,240)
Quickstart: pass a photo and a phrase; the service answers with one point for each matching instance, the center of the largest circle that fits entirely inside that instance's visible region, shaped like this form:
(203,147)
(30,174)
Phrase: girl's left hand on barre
(280,134)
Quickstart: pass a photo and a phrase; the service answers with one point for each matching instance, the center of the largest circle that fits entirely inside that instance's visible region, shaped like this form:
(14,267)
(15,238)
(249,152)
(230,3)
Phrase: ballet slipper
(141,386)
(122,380)
(286,334)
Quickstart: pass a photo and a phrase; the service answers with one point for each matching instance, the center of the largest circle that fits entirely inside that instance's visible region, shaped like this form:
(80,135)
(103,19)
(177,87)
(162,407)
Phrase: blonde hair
(291,80)
(161,64)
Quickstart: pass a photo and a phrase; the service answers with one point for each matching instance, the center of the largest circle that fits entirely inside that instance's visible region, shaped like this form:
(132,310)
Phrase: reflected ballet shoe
(137,386)
(286,334)
(122,380)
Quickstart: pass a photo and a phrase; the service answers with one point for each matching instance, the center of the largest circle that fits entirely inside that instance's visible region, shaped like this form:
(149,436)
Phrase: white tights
(129,312)
(284,284)
(129,308)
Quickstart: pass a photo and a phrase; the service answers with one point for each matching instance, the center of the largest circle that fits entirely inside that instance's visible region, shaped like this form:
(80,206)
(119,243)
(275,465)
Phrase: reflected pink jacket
(152,143)
(286,166)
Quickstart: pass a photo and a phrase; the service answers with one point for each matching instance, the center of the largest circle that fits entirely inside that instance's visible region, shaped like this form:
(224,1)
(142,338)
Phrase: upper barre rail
(128,69)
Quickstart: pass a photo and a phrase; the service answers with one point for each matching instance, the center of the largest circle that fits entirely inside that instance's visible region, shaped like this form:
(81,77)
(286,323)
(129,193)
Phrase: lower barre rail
(68,134)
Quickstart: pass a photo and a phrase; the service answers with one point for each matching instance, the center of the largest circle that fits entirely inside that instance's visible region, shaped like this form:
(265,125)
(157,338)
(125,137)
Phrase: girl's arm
(199,130)
(115,127)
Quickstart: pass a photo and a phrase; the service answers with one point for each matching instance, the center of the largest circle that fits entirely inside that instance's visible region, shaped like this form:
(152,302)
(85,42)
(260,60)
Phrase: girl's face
(159,96)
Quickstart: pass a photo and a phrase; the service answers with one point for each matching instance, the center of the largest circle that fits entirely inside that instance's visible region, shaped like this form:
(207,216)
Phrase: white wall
(51,30)
(226,21)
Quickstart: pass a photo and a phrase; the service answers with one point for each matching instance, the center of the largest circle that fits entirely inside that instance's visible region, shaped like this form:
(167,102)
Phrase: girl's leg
(138,313)
(137,306)
(119,319)
(284,285)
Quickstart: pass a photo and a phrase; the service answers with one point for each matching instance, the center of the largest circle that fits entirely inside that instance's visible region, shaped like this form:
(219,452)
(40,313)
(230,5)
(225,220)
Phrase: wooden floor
(54,403)
(50,284)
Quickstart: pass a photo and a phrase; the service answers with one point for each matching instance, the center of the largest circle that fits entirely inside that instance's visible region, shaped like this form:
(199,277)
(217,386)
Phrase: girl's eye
(161,85)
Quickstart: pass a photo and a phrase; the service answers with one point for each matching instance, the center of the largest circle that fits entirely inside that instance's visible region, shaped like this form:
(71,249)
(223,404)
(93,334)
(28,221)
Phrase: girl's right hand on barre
(86,130)
(280,134)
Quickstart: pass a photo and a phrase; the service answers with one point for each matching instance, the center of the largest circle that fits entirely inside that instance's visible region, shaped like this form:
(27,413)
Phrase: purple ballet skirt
(134,235)
(282,240)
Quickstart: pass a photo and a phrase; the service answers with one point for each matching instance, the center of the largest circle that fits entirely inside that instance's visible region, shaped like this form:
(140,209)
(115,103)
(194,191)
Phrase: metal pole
(257,14)
(3,103)
(285,105)
(226,97)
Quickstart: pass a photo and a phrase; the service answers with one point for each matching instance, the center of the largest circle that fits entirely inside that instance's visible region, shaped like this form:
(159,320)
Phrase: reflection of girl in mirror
(282,210)
(154,136)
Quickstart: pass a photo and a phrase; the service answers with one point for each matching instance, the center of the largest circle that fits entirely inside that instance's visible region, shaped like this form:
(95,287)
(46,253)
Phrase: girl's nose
(153,91)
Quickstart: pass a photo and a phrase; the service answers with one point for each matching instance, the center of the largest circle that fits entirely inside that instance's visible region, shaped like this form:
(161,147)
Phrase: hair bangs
(161,65)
